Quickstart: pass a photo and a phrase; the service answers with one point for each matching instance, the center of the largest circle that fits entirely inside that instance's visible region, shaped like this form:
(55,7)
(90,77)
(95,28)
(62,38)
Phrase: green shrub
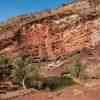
(75,69)
(5,67)
(56,83)
(52,83)
(4,60)
(24,69)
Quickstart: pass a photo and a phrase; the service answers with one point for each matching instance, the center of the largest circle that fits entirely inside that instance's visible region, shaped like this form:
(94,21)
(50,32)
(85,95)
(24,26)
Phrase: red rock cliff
(52,34)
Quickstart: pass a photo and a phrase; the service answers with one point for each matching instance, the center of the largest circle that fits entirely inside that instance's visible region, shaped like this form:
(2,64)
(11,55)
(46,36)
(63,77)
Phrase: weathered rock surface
(53,34)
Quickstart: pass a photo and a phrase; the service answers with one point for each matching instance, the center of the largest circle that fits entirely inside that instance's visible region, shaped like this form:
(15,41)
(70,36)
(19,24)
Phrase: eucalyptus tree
(24,69)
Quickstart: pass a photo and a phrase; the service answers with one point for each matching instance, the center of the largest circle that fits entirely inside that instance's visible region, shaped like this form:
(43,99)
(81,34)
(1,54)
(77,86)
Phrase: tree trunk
(23,84)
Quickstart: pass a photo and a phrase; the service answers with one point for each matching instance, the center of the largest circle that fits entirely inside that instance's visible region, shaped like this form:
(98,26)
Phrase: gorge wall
(52,34)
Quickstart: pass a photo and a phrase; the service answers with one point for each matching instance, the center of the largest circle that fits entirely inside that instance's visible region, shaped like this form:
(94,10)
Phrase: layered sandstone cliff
(56,36)
(52,34)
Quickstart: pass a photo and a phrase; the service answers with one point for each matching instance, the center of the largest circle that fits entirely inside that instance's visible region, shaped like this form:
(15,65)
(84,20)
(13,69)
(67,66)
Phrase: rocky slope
(51,34)
(54,34)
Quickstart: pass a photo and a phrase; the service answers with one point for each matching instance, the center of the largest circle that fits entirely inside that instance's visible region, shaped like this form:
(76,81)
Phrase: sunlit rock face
(52,34)
(55,35)
(43,41)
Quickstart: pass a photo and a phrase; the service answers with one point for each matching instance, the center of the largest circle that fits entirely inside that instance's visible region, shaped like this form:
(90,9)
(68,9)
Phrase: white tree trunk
(23,84)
